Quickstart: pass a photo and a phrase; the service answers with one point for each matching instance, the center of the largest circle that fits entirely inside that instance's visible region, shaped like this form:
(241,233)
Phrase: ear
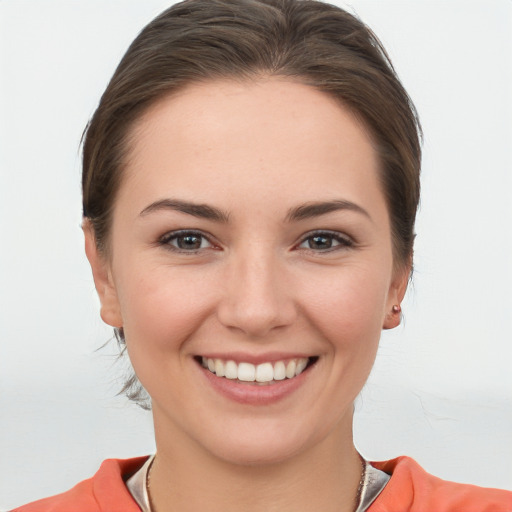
(110,311)
(396,295)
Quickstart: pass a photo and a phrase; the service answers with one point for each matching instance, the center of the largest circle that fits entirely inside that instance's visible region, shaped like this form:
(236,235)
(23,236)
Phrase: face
(250,235)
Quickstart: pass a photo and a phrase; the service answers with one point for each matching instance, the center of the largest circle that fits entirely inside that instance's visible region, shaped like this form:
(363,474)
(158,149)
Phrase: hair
(307,41)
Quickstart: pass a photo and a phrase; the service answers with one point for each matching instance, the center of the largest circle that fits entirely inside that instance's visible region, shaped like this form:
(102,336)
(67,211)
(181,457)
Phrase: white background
(441,390)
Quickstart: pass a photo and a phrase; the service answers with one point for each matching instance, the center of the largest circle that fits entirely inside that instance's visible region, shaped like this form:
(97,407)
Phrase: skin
(258,284)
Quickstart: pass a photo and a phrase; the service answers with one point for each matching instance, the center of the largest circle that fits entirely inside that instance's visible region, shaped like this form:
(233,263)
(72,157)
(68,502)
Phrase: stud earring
(396,309)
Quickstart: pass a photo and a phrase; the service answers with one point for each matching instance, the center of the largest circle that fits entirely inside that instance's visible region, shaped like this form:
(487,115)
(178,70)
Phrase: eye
(325,241)
(185,241)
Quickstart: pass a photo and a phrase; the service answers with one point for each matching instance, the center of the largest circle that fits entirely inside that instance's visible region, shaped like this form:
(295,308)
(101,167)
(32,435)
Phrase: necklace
(357,497)
(360,487)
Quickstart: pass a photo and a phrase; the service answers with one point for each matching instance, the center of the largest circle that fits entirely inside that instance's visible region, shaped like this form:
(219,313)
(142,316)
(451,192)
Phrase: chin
(263,443)
(252,454)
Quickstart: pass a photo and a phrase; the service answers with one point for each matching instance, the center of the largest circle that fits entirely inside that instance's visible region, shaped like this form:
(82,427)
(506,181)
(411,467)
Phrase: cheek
(347,307)
(162,309)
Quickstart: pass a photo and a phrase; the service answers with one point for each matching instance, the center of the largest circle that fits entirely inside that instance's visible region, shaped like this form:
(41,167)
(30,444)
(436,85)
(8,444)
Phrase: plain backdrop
(441,390)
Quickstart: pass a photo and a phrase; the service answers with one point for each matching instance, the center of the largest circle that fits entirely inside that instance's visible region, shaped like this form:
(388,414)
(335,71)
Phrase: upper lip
(243,357)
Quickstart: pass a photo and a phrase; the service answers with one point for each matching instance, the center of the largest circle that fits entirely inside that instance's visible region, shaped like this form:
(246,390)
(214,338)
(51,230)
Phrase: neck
(326,477)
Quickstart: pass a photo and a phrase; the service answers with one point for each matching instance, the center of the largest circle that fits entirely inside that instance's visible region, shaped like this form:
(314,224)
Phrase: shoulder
(412,489)
(105,491)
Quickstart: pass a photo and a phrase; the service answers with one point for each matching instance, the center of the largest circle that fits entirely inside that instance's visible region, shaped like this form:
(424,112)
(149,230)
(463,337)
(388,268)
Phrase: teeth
(301,364)
(279,371)
(219,368)
(247,372)
(231,370)
(264,372)
(290,369)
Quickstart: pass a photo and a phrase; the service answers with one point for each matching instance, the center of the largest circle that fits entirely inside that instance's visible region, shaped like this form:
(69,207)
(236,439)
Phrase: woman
(250,185)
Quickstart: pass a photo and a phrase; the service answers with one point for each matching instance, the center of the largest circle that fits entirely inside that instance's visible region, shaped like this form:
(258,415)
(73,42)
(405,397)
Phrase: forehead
(251,137)
(213,108)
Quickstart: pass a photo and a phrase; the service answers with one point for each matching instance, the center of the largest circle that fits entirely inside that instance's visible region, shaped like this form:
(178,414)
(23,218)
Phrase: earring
(397,309)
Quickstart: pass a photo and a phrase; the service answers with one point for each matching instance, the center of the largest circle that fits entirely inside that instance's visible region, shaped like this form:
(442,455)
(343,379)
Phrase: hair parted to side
(302,40)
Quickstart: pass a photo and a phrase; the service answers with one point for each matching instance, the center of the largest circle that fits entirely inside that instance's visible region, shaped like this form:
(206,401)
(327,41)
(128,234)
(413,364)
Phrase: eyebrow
(302,212)
(202,211)
(311,210)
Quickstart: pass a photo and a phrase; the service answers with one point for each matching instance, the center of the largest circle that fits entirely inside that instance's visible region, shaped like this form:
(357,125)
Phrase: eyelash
(342,241)
(166,240)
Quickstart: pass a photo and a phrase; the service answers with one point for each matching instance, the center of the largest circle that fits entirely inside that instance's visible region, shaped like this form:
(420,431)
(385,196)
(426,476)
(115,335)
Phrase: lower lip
(254,394)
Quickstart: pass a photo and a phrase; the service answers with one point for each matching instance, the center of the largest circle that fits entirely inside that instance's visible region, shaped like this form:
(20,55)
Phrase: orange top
(410,489)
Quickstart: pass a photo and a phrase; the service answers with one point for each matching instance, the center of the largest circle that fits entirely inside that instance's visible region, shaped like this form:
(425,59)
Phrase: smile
(260,373)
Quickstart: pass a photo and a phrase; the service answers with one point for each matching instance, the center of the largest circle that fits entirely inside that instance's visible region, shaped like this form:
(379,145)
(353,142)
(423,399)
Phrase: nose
(257,298)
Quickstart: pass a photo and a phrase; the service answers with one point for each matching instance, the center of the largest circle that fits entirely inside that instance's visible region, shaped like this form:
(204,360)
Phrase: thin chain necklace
(357,500)
(361,483)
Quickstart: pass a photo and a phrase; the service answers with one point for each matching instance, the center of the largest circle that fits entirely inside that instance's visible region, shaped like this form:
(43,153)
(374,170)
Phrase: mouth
(263,374)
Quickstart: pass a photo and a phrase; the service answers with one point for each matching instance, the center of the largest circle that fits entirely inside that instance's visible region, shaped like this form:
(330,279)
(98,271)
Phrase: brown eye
(325,241)
(193,242)
(185,241)
(320,242)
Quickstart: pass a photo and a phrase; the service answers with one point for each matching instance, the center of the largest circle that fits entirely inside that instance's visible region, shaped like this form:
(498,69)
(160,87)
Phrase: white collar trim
(374,482)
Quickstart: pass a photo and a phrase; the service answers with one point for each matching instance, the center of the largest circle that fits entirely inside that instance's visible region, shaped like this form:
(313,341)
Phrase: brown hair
(305,40)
